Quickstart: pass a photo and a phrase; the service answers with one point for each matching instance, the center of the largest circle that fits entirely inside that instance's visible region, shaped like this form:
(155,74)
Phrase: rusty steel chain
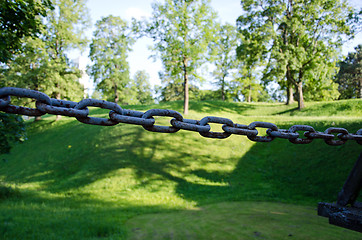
(45,104)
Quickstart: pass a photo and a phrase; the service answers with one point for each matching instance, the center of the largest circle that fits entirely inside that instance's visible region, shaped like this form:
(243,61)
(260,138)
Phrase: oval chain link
(24,93)
(240,129)
(190,125)
(162,113)
(341,132)
(62,107)
(267,125)
(101,104)
(219,135)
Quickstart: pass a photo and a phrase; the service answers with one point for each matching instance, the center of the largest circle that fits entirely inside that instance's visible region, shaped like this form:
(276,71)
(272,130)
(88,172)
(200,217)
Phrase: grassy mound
(76,181)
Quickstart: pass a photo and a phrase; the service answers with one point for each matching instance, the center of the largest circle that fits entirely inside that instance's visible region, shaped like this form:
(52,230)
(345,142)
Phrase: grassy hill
(77,181)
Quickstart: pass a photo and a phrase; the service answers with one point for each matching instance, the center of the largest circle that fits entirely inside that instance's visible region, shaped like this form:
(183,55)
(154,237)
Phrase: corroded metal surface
(346,212)
(342,216)
(79,110)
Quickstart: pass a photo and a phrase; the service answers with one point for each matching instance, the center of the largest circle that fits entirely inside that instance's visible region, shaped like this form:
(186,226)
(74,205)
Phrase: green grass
(76,181)
(236,220)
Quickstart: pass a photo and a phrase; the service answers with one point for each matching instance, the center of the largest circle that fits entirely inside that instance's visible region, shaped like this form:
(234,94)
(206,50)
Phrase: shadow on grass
(70,217)
(283,172)
(277,171)
(289,111)
(82,155)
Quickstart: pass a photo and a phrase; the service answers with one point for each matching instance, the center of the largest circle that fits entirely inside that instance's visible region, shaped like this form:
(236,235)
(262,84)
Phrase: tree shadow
(66,217)
(277,171)
(281,171)
(290,111)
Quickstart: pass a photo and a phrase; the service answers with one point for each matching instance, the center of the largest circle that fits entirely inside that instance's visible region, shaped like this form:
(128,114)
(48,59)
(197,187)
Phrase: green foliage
(245,84)
(237,220)
(142,87)
(43,64)
(78,181)
(349,76)
(19,19)
(12,130)
(319,85)
(173,90)
(181,31)
(295,38)
(65,31)
(223,51)
(108,51)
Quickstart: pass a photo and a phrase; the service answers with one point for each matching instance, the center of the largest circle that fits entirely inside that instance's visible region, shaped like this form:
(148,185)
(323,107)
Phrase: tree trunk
(58,117)
(37,118)
(360,88)
(290,83)
(300,96)
(116,96)
(223,89)
(186,87)
(249,94)
(290,96)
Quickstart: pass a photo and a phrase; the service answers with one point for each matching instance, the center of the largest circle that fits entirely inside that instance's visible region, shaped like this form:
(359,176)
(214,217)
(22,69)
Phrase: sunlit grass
(76,181)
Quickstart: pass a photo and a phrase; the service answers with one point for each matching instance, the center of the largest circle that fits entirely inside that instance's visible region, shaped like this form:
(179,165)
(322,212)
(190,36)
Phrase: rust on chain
(22,110)
(101,104)
(220,120)
(341,132)
(5,106)
(240,129)
(162,113)
(267,125)
(79,110)
(190,125)
(119,118)
(64,111)
(298,140)
(5,101)
(282,133)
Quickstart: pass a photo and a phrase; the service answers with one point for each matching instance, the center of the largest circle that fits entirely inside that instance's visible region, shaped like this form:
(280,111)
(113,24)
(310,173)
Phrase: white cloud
(137,13)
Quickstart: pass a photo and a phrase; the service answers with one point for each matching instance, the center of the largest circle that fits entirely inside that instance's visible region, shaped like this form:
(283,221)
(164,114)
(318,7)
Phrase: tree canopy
(19,19)
(108,51)
(349,76)
(181,31)
(294,37)
(223,55)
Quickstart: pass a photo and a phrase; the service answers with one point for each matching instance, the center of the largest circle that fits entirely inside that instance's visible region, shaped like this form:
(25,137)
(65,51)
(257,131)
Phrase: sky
(228,11)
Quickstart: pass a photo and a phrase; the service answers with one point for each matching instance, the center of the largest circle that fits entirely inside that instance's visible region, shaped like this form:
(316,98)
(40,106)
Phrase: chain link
(44,104)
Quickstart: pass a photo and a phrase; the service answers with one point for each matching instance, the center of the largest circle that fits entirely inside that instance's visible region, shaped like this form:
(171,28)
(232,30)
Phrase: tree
(43,63)
(65,31)
(293,36)
(19,19)
(223,51)
(12,130)
(349,76)
(173,88)
(245,83)
(108,51)
(319,85)
(142,87)
(181,31)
